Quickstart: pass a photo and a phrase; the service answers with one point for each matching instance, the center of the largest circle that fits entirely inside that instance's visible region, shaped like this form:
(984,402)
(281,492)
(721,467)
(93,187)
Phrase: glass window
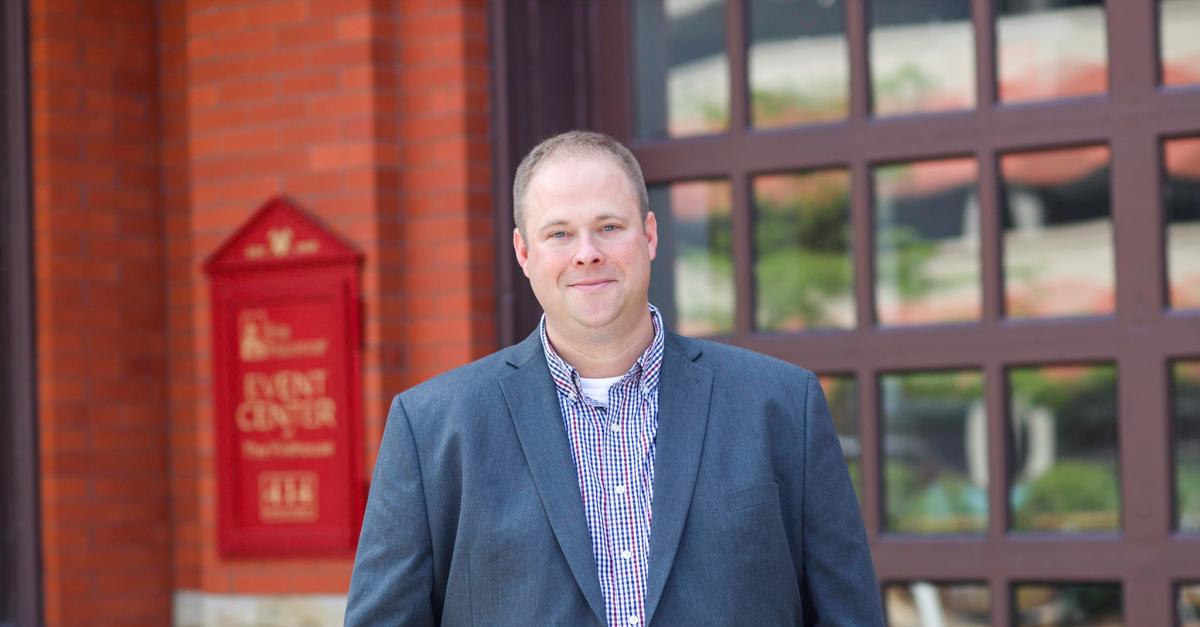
(802,267)
(1185,405)
(1179,47)
(922,55)
(927,242)
(925,604)
(680,67)
(1064,460)
(1189,605)
(1058,234)
(799,69)
(841,391)
(935,443)
(1051,49)
(1182,200)
(692,281)
(1068,605)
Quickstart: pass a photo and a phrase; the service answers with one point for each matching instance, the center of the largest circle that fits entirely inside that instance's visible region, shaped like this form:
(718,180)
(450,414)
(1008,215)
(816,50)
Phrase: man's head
(585,236)
(576,143)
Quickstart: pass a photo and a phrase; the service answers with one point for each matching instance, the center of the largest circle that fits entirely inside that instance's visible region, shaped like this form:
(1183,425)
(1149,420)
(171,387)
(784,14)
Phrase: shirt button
(615,427)
(627,554)
(633,620)
(620,489)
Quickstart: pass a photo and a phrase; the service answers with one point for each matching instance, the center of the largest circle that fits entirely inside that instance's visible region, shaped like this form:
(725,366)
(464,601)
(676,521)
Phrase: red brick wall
(373,115)
(100,313)
(159,127)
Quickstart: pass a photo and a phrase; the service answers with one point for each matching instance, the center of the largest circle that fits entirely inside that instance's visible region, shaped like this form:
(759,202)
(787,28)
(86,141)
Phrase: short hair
(577,143)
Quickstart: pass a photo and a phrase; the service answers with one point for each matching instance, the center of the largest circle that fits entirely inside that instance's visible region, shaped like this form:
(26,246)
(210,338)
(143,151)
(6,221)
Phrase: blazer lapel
(683,402)
(533,405)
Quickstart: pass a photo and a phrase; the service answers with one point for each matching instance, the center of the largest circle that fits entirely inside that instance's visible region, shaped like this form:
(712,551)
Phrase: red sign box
(286,372)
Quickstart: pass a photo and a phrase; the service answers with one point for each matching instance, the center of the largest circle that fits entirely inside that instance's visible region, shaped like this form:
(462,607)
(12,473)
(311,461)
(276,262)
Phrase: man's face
(586,251)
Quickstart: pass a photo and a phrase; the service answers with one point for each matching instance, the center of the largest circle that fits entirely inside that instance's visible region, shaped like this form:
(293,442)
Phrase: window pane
(692,281)
(802,265)
(1178,23)
(1054,49)
(799,68)
(680,67)
(1183,220)
(1058,234)
(1186,407)
(922,56)
(1189,605)
(841,392)
(935,440)
(927,242)
(925,604)
(1064,462)
(1068,605)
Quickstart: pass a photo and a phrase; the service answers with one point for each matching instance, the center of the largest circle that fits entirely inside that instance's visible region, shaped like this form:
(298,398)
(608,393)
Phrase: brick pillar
(100,313)
(373,115)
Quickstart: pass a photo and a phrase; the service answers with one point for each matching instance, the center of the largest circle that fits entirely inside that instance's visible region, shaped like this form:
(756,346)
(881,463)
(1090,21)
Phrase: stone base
(198,609)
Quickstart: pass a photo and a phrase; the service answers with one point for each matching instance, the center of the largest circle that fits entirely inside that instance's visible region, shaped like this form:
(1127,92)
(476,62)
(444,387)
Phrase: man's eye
(608,227)
(558,234)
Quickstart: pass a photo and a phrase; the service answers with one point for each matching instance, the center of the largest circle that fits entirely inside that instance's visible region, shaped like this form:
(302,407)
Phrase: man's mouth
(592,284)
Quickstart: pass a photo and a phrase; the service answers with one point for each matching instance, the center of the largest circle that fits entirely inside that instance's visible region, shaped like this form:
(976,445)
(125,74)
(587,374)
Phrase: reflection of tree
(903,263)
(905,89)
(1075,487)
(803,256)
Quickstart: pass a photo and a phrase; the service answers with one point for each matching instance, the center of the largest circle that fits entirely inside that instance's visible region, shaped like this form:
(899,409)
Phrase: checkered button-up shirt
(613,450)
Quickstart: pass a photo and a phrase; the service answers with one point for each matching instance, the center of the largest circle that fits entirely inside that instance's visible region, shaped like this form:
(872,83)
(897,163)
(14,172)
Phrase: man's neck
(607,355)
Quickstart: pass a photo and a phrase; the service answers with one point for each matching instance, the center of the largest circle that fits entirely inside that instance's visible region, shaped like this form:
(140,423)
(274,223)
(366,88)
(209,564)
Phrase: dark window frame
(1140,337)
(19,528)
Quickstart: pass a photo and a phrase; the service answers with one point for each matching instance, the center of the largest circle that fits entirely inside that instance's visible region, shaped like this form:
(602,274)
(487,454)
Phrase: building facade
(977,220)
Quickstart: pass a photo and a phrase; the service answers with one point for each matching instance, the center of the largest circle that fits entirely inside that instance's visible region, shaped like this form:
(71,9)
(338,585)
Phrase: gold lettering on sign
(280,241)
(287,496)
(307,246)
(260,338)
(256,251)
(286,401)
(288,449)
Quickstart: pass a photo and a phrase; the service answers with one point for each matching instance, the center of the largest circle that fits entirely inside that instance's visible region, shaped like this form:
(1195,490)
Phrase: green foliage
(1069,497)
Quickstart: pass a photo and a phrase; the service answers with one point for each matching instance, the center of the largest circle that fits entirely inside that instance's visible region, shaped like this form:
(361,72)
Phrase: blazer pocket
(753,495)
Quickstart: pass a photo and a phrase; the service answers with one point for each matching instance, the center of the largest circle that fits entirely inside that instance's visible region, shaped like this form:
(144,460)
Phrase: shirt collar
(647,367)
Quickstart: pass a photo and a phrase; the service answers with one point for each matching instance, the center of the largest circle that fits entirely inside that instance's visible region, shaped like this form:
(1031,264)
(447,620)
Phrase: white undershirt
(597,389)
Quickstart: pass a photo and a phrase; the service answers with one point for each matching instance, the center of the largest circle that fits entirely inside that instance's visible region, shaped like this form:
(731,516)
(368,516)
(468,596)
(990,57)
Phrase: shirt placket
(621,524)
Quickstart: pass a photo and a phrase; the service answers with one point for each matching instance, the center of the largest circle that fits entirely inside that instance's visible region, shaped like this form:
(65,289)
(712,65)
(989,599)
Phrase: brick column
(100,313)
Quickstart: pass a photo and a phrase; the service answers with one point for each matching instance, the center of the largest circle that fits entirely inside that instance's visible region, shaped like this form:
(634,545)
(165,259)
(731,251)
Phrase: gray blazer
(475,515)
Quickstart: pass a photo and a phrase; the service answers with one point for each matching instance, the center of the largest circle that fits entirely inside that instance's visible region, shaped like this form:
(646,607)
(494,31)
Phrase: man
(605,470)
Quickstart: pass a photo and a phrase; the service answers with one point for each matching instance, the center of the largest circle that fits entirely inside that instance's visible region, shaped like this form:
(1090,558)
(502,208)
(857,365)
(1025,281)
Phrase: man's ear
(521,250)
(651,229)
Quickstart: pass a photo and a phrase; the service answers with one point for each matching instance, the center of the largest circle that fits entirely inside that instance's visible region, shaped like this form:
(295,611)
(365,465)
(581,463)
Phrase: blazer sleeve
(840,586)
(392,582)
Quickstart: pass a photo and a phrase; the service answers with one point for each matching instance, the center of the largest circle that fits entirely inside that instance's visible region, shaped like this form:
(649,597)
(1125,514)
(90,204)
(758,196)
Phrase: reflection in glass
(935,441)
(802,267)
(1183,220)
(841,392)
(681,69)
(1051,49)
(925,604)
(927,242)
(1179,47)
(692,281)
(922,56)
(1068,605)
(1058,233)
(1186,407)
(799,69)
(1189,605)
(1063,474)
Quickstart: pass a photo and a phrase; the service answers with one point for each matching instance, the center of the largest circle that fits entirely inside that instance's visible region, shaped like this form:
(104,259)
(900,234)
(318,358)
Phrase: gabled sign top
(279,233)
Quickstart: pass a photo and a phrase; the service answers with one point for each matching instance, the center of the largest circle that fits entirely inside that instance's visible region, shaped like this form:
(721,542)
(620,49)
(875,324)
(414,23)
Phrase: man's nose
(588,252)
